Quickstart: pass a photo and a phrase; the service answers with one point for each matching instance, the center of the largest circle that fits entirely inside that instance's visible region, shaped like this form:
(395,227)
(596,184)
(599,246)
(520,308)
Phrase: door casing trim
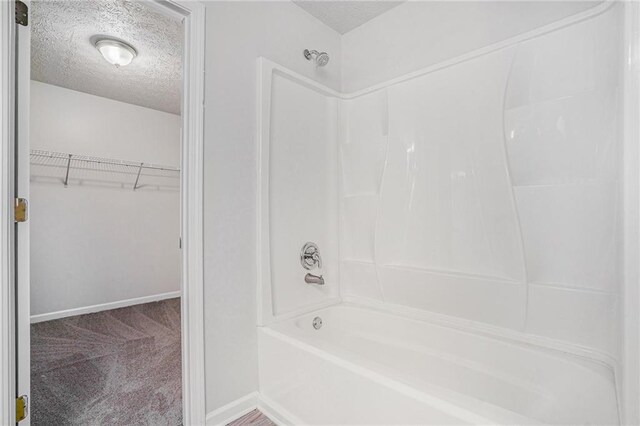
(192,302)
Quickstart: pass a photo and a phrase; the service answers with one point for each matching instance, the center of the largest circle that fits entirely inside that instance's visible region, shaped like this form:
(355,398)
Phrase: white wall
(629,313)
(237,34)
(418,34)
(97,242)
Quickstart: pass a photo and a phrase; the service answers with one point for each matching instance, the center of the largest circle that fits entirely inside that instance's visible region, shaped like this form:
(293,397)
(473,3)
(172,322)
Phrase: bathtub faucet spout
(314,279)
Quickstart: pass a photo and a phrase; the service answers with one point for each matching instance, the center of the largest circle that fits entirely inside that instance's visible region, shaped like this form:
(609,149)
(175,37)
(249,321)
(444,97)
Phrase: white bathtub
(365,366)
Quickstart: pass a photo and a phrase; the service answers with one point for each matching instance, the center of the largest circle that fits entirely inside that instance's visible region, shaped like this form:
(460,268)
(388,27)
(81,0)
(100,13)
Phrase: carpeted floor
(117,367)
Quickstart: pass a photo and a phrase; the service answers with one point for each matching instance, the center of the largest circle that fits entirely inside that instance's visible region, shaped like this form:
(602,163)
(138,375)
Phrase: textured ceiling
(62,53)
(343,16)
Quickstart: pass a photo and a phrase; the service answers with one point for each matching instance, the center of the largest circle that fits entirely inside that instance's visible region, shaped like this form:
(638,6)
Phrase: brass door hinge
(22,407)
(22,13)
(20,210)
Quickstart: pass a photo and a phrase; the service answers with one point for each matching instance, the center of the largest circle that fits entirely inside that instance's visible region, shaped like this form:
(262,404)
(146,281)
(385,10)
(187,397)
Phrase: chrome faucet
(314,279)
(310,259)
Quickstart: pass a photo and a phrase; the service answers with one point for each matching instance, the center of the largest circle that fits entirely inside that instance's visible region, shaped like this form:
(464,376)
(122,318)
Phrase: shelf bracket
(66,177)
(135,185)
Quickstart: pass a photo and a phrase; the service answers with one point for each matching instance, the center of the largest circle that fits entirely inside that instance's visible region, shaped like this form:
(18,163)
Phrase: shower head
(321,58)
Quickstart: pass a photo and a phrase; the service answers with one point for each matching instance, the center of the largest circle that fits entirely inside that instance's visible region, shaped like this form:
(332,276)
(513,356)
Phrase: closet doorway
(109,259)
(105,213)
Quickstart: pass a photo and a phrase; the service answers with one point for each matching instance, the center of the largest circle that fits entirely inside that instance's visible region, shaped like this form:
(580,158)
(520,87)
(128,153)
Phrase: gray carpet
(117,367)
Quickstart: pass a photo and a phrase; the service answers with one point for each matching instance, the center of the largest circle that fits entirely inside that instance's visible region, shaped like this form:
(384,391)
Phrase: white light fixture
(116,52)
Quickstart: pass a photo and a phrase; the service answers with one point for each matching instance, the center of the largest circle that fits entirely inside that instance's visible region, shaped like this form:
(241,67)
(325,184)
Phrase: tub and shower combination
(465,220)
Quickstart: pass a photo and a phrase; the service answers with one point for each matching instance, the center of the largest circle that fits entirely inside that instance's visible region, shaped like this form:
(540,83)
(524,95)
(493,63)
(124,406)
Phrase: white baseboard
(103,307)
(241,406)
(277,413)
(233,410)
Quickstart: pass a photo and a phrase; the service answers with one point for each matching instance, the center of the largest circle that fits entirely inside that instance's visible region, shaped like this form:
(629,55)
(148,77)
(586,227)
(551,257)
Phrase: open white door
(15,41)
(22,80)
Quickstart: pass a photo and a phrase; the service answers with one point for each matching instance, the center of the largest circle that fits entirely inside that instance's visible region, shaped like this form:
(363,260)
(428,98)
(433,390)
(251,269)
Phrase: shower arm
(309,54)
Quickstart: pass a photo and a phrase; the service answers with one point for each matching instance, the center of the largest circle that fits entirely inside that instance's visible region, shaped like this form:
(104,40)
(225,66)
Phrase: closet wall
(94,243)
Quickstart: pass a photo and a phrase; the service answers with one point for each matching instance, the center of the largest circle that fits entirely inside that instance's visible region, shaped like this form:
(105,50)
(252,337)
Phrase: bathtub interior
(470,369)
(486,189)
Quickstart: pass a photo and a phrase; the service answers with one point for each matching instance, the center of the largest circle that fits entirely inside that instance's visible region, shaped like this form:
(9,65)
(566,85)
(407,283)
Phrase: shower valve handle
(310,256)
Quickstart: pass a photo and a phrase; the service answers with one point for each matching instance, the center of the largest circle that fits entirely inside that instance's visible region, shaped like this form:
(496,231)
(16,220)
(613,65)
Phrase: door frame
(7,293)
(192,300)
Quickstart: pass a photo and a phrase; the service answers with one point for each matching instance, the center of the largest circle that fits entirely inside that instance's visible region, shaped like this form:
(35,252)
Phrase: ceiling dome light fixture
(116,52)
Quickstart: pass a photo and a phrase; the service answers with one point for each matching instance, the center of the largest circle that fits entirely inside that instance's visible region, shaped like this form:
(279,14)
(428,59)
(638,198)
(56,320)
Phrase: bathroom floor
(253,418)
(117,367)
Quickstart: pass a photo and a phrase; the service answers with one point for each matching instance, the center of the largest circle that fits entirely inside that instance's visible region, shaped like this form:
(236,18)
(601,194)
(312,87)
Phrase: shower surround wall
(487,189)
(303,135)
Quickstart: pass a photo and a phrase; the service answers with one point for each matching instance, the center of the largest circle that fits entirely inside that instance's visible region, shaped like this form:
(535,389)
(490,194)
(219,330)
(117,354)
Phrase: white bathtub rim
(475,411)
(442,403)
(480,328)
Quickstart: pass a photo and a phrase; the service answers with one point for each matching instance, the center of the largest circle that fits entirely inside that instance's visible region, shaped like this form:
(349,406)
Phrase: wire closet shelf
(65,166)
